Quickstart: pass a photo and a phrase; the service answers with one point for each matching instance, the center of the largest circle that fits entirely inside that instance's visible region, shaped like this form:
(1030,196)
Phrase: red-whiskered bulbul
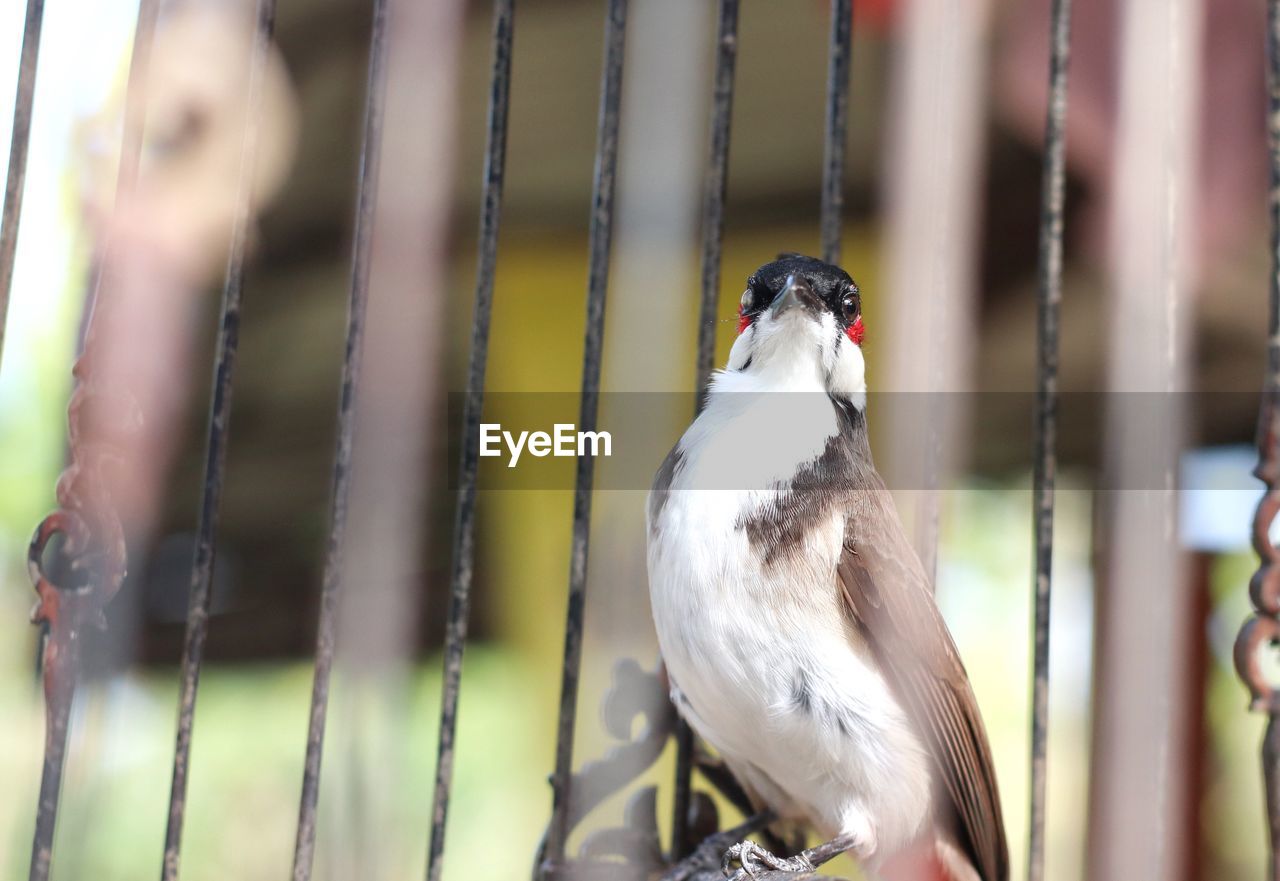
(795,620)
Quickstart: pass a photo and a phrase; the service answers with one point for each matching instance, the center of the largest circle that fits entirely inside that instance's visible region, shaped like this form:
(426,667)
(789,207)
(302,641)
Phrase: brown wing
(888,594)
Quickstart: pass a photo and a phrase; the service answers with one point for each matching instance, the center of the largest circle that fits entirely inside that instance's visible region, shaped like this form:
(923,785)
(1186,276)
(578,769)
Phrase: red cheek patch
(856,331)
(744,321)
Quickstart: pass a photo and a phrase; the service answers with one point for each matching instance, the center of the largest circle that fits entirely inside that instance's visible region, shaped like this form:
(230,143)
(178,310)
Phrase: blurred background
(1165,295)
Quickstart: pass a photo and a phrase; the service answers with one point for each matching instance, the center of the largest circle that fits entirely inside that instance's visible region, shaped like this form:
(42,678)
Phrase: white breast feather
(739,638)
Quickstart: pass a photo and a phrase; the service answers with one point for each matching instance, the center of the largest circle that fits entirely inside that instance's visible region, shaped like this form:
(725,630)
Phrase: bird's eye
(748,299)
(849,305)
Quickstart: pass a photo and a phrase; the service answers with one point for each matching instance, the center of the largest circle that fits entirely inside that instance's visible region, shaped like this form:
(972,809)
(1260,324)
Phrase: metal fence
(77,556)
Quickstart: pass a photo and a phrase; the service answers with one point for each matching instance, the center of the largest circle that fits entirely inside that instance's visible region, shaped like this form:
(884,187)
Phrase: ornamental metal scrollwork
(633,851)
(77,562)
(1263,627)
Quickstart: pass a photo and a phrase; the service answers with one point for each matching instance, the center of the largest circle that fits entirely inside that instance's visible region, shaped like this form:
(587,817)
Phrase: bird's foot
(753,860)
(705,861)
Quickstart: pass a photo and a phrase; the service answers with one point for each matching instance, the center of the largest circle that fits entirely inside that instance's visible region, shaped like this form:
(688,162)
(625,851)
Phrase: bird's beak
(796,293)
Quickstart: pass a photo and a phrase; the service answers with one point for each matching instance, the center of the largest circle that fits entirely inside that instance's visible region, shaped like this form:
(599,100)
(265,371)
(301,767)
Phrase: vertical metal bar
(391,476)
(216,449)
(1269,447)
(64,615)
(1271,777)
(715,186)
(1049,299)
(1262,629)
(465,517)
(685,745)
(838,65)
(597,282)
(370,160)
(1270,454)
(50,785)
(20,139)
(61,662)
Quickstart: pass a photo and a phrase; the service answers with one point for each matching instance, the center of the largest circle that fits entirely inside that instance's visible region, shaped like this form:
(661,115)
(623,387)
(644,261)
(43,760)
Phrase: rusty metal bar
(77,560)
(84,521)
(1271,777)
(1262,629)
(58,692)
(370,160)
(597,282)
(715,186)
(19,141)
(468,466)
(216,449)
(838,65)
(83,518)
(1049,299)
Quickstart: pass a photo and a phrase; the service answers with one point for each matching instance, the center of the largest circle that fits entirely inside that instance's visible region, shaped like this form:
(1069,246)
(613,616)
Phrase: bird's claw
(753,859)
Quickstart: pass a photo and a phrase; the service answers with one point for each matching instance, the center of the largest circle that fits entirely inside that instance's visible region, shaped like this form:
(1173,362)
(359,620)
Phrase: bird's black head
(800,326)
(829,286)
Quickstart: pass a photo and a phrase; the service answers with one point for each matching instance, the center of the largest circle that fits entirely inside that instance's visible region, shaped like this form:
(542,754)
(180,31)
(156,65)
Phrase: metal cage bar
(715,186)
(216,445)
(839,63)
(1262,629)
(62,631)
(370,160)
(1269,446)
(1049,299)
(715,183)
(468,466)
(601,232)
(19,142)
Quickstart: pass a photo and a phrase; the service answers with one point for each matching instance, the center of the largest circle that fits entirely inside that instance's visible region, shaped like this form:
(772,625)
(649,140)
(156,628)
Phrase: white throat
(795,354)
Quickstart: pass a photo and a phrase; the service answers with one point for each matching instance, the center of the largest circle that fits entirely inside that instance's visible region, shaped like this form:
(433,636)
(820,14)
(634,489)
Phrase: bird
(796,623)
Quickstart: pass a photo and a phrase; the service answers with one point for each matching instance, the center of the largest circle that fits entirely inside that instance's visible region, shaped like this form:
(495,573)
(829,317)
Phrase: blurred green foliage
(247,769)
